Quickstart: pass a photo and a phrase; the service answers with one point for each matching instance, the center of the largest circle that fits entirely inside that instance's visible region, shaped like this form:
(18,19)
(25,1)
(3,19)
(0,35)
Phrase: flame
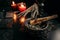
(13,2)
(22,19)
(22,7)
(14,17)
(22,4)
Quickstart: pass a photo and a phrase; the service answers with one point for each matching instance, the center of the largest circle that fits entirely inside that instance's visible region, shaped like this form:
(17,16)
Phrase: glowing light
(13,4)
(15,17)
(22,19)
(22,7)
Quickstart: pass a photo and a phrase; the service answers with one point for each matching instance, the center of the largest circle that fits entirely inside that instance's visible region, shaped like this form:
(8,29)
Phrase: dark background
(51,7)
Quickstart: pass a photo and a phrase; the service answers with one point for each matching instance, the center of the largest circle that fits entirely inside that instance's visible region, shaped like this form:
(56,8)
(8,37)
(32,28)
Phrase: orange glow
(15,17)
(13,4)
(22,19)
(22,7)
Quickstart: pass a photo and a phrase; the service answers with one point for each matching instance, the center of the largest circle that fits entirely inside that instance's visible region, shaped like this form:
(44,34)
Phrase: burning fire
(22,19)
(13,2)
(15,17)
(22,7)
(13,5)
